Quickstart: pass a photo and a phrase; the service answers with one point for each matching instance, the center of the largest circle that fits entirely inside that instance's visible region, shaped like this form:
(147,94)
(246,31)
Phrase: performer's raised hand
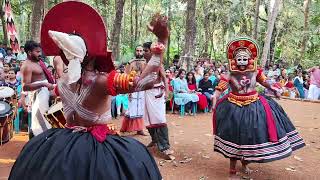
(159,27)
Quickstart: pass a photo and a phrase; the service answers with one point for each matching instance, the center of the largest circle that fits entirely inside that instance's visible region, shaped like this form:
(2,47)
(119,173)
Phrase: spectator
(291,91)
(298,83)
(206,88)
(202,103)
(12,79)
(2,77)
(6,69)
(1,60)
(176,61)
(183,95)
(3,49)
(275,71)
(314,89)
(9,56)
(197,73)
(22,55)
(213,78)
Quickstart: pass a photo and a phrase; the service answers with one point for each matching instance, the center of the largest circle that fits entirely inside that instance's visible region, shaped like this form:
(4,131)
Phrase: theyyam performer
(250,127)
(86,149)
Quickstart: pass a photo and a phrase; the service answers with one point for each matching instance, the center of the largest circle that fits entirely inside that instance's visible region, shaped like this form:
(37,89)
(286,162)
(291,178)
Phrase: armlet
(118,82)
(223,85)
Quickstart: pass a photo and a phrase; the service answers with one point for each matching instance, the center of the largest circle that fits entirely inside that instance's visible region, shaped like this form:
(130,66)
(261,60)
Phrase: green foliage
(227,19)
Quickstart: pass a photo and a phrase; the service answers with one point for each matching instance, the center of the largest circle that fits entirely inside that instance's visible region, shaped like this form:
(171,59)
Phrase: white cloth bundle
(74,49)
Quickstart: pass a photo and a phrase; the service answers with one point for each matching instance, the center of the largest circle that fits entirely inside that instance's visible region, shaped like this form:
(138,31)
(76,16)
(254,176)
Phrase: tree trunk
(4,24)
(206,26)
(37,13)
(169,38)
(136,21)
(271,22)
(131,24)
(190,34)
(256,21)
(45,8)
(115,36)
(306,6)
(273,45)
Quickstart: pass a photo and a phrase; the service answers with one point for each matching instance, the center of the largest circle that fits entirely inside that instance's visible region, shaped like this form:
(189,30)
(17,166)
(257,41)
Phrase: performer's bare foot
(233,175)
(141,133)
(245,169)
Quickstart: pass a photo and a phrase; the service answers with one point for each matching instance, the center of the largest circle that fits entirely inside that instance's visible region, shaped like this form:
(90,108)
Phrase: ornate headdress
(242,45)
(77,30)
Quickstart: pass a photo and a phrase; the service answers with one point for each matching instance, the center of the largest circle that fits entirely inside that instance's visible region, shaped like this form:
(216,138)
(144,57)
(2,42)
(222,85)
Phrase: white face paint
(242,58)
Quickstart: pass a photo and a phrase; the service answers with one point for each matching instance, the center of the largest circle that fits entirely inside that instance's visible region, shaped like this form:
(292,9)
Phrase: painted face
(242,58)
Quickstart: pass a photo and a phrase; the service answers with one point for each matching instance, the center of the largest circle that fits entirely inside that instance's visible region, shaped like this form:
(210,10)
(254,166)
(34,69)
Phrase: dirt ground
(191,137)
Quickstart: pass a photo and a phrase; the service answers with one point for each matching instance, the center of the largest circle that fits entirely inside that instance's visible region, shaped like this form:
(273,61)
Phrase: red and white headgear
(77,30)
(242,44)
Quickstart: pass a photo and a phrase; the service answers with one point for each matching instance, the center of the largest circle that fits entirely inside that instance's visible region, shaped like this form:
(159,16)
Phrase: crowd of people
(85,80)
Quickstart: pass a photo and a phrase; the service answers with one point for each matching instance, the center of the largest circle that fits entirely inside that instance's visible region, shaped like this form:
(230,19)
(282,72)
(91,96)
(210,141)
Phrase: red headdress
(246,44)
(81,19)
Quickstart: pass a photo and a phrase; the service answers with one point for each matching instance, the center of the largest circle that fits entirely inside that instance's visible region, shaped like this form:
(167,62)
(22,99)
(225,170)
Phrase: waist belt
(243,100)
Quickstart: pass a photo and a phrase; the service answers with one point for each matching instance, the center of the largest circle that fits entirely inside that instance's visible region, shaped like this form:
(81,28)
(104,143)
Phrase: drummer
(37,81)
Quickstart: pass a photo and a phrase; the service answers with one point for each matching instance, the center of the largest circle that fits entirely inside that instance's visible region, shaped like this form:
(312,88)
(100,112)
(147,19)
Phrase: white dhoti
(155,107)
(314,92)
(136,105)
(40,105)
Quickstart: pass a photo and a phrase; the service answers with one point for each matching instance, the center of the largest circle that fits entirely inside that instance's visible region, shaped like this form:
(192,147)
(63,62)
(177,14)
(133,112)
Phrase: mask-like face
(242,58)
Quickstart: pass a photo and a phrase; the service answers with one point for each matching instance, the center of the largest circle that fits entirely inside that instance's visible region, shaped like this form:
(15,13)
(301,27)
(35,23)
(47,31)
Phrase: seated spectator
(183,95)
(202,103)
(198,74)
(213,78)
(290,90)
(298,83)
(206,88)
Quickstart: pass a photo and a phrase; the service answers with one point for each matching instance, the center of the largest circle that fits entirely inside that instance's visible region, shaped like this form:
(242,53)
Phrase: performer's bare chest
(243,82)
(37,72)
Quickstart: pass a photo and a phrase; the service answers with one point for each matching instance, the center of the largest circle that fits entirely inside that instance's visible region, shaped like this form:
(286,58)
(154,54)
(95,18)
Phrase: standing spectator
(6,69)
(12,79)
(176,61)
(202,103)
(9,56)
(22,56)
(3,49)
(298,83)
(314,89)
(206,88)
(2,77)
(1,60)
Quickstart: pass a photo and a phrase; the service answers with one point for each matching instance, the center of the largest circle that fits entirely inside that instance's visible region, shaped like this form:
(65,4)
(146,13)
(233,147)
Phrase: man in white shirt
(22,56)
